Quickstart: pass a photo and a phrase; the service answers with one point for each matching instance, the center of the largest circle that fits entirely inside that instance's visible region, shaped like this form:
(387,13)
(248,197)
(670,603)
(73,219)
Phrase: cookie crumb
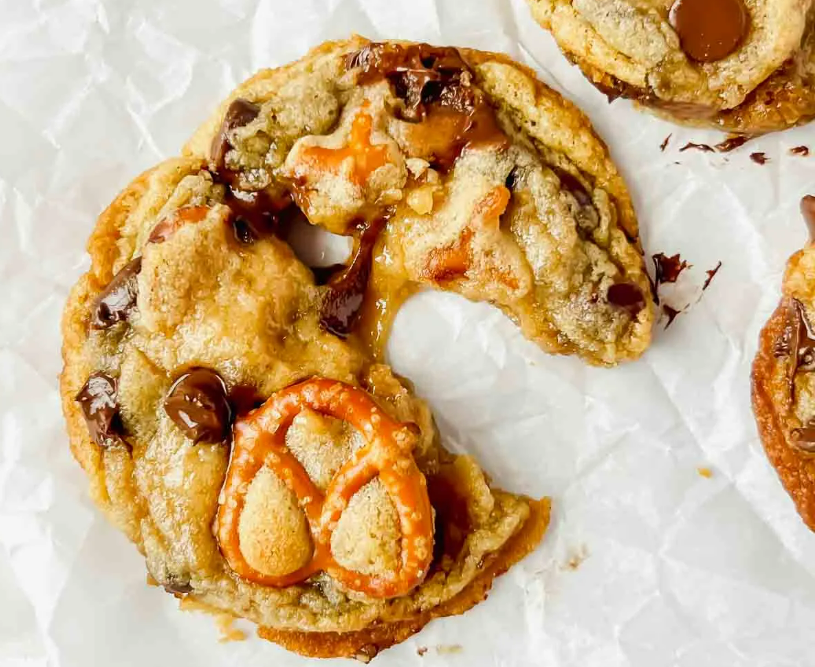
(665,143)
(577,558)
(800,151)
(229,633)
(151,580)
(759,158)
(707,473)
(367,653)
(704,148)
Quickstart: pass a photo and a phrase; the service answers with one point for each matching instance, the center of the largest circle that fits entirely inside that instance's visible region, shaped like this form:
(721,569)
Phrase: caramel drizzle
(260,440)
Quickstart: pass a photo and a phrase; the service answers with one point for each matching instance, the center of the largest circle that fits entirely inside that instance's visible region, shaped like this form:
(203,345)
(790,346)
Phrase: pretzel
(260,440)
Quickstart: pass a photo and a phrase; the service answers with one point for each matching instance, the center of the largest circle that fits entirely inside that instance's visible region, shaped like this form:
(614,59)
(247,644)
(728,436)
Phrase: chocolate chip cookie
(230,404)
(744,66)
(783,380)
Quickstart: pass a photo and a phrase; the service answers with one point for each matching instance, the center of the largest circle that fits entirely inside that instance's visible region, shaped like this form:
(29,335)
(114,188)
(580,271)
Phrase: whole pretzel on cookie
(260,440)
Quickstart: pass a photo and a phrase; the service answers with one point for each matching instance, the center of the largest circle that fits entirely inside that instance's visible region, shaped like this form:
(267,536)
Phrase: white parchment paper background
(647,563)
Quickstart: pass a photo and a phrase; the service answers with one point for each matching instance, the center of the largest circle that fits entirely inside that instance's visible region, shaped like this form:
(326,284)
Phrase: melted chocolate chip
(197,403)
(512,177)
(420,75)
(574,186)
(244,398)
(803,340)
(704,148)
(732,143)
(711,274)
(626,296)
(710,30)
(800,151)
(98,399)
(667,269)
(254,214)
(759,158)
(808,213)
(241,112)
(118,299)
(343,300)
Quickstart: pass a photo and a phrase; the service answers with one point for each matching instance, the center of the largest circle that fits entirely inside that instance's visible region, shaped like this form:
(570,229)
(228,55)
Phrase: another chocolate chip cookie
(784,382)
(744,66)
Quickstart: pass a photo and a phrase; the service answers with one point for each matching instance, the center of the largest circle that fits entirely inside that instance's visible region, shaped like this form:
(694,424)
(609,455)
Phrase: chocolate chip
(178,586)
(197,403)
(800,151)
(732,143)
(808,213)
(626,296)
(759,158)
(118,299)
(98,399)
(241,112)
(710,30)
(667,269)
(512,177)
(343,300)
(704,148)
(244,398)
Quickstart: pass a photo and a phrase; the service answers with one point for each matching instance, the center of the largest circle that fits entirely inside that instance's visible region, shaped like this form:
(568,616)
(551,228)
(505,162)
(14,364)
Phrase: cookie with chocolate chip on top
(784,378)
(230,405)
(742,66)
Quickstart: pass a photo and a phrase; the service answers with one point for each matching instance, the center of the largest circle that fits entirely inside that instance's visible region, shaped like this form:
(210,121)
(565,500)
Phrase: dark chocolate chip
(197,403)
(710,30)
(241,112)
(118,299)
(626,296)
(178,586)
(808,213)
(667,269)
(759,158)
(732,143)
(98,399)
(697,147)
(244,398)
(800,151)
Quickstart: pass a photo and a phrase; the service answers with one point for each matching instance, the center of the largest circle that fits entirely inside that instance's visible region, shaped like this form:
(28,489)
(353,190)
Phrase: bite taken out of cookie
(231,405)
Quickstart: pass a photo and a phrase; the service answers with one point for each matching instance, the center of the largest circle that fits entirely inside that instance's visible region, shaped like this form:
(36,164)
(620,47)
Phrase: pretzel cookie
(229,403)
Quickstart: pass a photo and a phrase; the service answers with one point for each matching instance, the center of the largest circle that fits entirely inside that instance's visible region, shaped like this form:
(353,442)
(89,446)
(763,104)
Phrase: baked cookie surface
(783,380)
(229,404)
(744,66)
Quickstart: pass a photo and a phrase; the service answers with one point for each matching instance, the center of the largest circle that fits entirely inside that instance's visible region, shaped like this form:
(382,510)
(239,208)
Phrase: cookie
(783,380)
(230,405)
(744,66)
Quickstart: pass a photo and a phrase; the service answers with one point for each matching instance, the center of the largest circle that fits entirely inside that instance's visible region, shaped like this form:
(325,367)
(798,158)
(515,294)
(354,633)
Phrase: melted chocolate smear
(802,340)
(346,290)
(732,143)
(574,186)
(808,213)
(710,30)
(118,299)
(511,179)
(759,158)
(420,75)
(800,151)
(626,296)
(98,399)
(254,214)
(665,143)
(241,112)
(244,398)
(197,403)
(711,274)
(697,147)
(667,269)
(323,274)
(671,312)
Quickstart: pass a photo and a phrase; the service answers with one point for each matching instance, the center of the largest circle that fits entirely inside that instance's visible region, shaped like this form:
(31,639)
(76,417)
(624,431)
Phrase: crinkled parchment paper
(672,541)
